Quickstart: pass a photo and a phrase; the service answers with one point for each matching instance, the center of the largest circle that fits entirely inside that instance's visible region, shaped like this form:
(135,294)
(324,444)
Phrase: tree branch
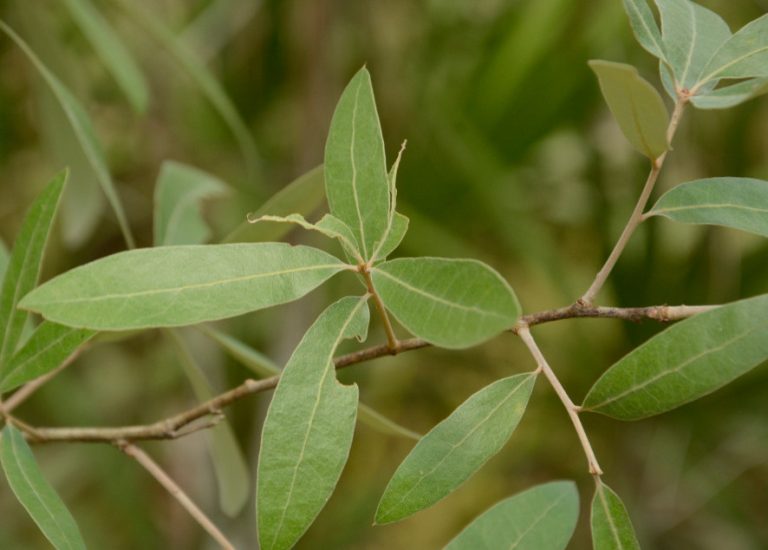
(182,424)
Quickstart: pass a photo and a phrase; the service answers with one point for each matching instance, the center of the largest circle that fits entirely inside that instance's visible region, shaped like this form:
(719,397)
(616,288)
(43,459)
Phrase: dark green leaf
(35,494)
(48,347)
(543,517)
(450,303)
(688,360)
(308,430)
(356,181)
(611,526)
(456,448)
(636,106)
(24,265)
(181,285)
(741,203)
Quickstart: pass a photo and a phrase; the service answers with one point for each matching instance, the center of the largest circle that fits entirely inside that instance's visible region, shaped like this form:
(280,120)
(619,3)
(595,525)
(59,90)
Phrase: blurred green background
(512,158)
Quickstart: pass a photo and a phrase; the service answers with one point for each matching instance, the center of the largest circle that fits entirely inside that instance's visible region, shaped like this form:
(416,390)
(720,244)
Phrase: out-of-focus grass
(511,157)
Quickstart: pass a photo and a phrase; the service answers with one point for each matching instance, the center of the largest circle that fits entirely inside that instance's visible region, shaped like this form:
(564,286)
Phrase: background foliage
(512,158)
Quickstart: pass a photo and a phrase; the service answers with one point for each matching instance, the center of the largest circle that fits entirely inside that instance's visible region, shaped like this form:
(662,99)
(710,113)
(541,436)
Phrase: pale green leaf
(611,526)
(744,55)
(40,500)
(4,259)
(24,264)
(394,237)
(730,96)
(741,203)
(181,285)
(264,367)
(688,360)
(83,129)
(456,448)
(450,303)
(542,517)
(303,195)
(229,463)
(356,181)
(178,192)
(636,106)
(308,430)
(117,59)
(691,35)
(210,87)
(329,225)
(48,347)
(644,26)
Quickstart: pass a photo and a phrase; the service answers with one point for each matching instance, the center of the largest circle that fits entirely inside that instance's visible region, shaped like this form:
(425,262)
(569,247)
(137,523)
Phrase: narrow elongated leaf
(691,35)
(202,76)
(181,285)
(48,347)
(83,129)
(450,303)
(24,264)
(228,460)
(4,258)
(308,430)
(456,448)
(178,192)
(303,195)
(744,55)
(394,237)
(263,366)
(356,181)
(329,225)
(117,59)
(730,96)
(35,494)
(636,106)
(541,517)
(611,526)
(644,26)
(688,360)
(741,203)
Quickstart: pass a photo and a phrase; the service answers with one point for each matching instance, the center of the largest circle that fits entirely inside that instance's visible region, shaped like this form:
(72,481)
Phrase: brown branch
(179,424)
(170,485)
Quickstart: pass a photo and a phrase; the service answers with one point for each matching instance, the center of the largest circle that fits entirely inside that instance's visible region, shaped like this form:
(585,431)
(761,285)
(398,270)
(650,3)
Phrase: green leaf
(456,448)
(303,195)
(611,526)
(213,91)
(264,367)
(24,264)
(4,259)
(48,347)
(329,225)
(636,106)
(730,96)
(356,181)
(181,285)
(542,517)
(308,430)
(35,494)
(117,59)
(83,129)
(644,26)
(450,303)
(178,192)
(744,55)
(691,35)
(228,460)
(688,360)
(732,202)
(394,237)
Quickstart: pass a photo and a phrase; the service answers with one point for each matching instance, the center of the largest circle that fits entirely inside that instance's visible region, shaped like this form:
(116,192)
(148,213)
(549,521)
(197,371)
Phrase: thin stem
(637,214)
(392,342)
(170,485)
(181,424)
(570,407)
